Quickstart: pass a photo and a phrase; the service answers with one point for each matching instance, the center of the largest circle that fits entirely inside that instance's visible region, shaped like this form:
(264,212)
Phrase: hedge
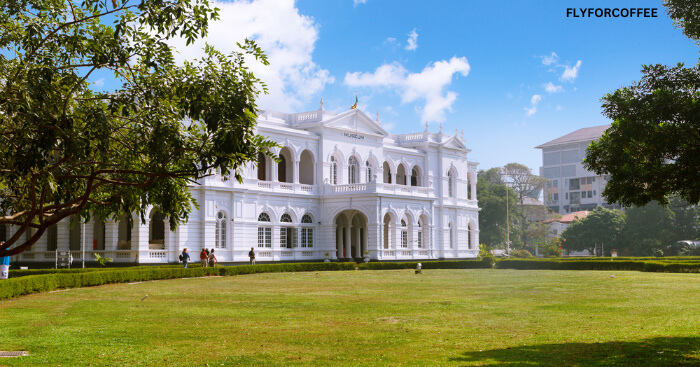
(458,264)
(74,278)
(628,265)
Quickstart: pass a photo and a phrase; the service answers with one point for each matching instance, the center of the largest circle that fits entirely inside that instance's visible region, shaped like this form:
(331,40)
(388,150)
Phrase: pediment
(454,143)
(355,121)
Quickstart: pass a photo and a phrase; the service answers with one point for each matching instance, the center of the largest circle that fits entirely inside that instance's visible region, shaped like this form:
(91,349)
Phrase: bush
(457,264)
(522,254)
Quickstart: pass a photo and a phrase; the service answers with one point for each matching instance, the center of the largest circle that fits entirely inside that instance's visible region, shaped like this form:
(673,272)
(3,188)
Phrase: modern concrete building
(344,189)
(570,187)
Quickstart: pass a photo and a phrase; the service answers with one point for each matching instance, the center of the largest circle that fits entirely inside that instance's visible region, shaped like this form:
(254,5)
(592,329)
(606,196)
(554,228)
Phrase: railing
(349,188)
(265,254)
(408,138)
(293,187)
(287,254)
(307,253)
(307,117)
(157,255)
(389,253)
(286,186)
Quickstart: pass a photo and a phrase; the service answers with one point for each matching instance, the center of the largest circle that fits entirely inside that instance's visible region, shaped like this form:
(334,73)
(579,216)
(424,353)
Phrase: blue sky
(511,74)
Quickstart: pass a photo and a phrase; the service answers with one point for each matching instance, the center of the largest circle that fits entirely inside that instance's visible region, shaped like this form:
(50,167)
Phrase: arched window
(452,235)
(388,235)
(401,175)
(51,237)
(404,234)
(282,169)
(353,169)
(387,172)
(369,171)
(262,168)
(264,231)
(157,233)
(420,233)
(334,171)
(469,188)
(220,236)
(450,184)
(415,177)
(287,234)
(307,233)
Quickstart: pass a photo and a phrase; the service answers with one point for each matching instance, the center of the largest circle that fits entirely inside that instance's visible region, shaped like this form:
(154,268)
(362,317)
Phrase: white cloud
(571,73)
(100,82)
(534,101)
(357,2)
(412,41)
(551,88)
(428,85)
(390,40)
(549,60)
(287,37)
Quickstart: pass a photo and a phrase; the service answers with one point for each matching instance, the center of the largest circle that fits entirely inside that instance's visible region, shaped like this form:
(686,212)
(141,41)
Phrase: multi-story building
(344,188)
(570,187)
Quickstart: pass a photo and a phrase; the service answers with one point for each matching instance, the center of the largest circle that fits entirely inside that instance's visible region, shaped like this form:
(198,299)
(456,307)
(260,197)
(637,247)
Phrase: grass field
(365,318)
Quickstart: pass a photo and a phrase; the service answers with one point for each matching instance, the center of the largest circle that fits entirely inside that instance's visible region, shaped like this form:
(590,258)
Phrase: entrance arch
(350,234)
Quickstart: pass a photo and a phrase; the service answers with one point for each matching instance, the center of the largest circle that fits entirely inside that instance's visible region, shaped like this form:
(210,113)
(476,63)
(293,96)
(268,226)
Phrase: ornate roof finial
(321,103)
(462,136)
(377,115)
(441,128)
(456,132)
(426,126)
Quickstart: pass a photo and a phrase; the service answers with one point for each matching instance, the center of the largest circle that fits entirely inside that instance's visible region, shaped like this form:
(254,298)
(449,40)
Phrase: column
(296,171)
(358,244)
(348,245)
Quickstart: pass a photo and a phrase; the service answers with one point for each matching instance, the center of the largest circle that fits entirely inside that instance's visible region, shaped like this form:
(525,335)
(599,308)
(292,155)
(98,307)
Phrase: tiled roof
(585,134)
(569,217)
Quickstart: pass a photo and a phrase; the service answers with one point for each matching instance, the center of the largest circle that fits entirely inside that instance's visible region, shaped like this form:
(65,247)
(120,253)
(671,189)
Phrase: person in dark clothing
(251,255)
(185,257)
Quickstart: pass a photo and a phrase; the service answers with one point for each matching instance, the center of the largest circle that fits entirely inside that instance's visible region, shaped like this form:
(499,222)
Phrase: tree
(647,229)
(651,150)
(71,150)
(525,217)
(492,200)
(686,219)
(601,226)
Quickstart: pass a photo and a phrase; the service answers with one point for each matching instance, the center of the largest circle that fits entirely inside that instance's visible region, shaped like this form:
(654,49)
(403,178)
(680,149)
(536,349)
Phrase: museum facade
(343,189)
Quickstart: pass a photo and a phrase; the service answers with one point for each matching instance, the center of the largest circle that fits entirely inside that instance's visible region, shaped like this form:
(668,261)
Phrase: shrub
(522,254)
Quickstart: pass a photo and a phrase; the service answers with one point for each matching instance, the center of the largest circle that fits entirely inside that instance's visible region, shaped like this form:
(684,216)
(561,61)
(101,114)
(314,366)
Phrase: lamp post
(507,213)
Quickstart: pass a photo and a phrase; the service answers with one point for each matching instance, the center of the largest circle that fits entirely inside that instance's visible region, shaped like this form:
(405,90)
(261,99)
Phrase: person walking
(251,255)
(212,259)
(204,257)
(185,257)
(4,265)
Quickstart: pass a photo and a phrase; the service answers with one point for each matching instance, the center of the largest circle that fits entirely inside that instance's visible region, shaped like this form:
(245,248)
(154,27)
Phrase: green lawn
(440,318)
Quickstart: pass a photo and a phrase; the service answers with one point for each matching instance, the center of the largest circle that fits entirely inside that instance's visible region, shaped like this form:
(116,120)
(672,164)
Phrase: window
(450,184)
(555,197)
(261,167)
(574,184)
(334,171)
(414,177)
(387,173)
(264,233)
(404,234)
(590,194)
(353,168)
(420,233)
(556,183)
(594,194)
(288,235)
(369,171)
(220,236)
(567,196)
(549,184)
(51,238)
(575,198)
(306,219)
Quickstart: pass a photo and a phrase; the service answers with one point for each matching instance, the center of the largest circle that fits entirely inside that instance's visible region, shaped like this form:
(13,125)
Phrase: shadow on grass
(662,351)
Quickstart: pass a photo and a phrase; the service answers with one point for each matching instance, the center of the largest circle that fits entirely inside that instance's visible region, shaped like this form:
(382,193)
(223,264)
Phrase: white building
(345,188)
(570,187)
